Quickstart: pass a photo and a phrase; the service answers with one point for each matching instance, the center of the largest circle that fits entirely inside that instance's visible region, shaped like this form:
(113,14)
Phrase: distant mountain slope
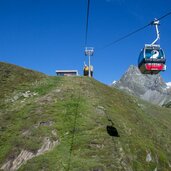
(148,87)
(59,123)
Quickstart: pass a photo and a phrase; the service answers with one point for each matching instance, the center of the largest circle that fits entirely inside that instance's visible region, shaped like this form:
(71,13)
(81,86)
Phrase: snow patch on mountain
(168,85)
(114,82)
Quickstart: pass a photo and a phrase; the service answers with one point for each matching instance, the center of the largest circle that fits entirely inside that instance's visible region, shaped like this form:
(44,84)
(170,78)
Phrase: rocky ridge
(151,88)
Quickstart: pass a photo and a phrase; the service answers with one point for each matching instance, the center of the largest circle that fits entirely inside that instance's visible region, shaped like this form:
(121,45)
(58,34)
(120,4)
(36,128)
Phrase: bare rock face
(25,155)
(148,87)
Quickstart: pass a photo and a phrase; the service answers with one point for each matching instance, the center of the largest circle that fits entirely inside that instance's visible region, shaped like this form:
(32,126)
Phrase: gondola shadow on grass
(112,131)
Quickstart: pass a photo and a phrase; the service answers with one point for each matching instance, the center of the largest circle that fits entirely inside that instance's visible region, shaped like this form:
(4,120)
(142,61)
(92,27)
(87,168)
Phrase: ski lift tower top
(89,51)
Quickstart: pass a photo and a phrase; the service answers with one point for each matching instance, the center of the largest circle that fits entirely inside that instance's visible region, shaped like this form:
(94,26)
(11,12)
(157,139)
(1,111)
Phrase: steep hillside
(59,123)
(13,77)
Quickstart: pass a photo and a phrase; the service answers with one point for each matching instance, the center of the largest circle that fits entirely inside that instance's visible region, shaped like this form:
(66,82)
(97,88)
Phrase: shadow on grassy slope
(79,109)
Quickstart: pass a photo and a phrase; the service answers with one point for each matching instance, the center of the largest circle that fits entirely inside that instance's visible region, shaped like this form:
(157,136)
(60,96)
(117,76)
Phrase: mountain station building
(67,72)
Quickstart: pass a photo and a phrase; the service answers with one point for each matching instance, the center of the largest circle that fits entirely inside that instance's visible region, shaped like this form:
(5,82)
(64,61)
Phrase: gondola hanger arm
(156,23)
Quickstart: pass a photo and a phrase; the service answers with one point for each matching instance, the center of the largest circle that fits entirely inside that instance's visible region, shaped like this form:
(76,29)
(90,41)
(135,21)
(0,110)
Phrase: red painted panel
(154,66)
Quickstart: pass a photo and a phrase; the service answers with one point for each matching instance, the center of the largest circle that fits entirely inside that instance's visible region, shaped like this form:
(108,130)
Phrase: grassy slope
(13,77)
(79,109)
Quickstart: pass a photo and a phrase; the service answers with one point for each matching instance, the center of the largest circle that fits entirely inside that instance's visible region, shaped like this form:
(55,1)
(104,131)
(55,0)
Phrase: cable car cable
(87,21)
(126,36)
(169,13)
(131,33)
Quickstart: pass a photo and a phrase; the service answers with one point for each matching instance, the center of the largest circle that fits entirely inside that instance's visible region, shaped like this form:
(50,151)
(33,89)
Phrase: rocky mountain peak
(133,69)
(148,87)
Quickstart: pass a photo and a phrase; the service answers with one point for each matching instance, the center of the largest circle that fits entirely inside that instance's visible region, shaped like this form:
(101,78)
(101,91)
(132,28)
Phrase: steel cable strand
(87,22)
(137,30)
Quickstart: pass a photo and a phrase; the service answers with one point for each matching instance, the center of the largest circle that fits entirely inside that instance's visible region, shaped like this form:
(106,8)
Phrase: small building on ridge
(67,72)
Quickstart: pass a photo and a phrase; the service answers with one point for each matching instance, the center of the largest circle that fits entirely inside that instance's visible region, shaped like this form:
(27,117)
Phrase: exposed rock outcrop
(25,155)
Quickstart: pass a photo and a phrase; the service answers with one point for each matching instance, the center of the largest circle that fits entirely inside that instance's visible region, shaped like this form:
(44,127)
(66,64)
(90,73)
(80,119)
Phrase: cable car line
(89,51)
(87,21)
(169,13)
(131,33)
(126,36)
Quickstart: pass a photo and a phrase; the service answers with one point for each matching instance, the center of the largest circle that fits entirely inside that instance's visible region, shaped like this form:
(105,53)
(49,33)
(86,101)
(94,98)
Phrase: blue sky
(46,35)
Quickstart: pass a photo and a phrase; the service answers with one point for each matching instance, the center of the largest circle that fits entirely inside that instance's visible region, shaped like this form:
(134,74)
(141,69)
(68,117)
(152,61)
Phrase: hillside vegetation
(13,77)
(59,124)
